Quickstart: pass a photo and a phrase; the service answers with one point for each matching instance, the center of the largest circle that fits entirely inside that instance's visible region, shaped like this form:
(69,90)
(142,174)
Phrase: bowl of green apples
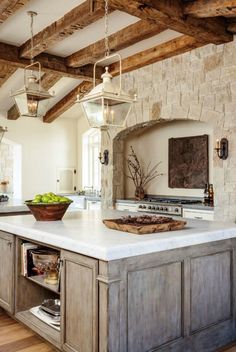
(48,206)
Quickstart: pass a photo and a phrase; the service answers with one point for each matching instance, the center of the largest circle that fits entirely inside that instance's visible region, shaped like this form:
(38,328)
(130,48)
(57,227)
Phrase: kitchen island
(121,292)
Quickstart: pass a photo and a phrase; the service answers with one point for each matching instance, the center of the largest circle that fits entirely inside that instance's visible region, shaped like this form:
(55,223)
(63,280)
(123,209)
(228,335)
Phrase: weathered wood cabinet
(180,300)
(79,298)
(7,260)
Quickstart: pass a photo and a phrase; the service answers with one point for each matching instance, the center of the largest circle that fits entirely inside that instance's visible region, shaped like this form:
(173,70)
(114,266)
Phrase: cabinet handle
(198,217)
(9,244)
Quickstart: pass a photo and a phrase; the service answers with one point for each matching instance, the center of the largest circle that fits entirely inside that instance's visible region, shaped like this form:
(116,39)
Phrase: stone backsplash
(199,85)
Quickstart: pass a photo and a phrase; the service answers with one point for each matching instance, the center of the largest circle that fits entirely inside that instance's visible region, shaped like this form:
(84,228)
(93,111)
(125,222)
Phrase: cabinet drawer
(197,214)
(126,207)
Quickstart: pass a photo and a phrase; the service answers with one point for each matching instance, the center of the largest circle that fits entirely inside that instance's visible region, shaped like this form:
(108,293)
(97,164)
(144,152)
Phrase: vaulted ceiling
(69,38)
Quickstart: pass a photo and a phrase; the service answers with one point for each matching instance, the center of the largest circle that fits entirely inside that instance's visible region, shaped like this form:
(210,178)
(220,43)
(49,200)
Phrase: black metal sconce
(222,148)
(105,158)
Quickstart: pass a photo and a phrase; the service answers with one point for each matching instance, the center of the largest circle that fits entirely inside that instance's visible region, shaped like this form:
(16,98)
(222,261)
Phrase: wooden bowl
(48,212)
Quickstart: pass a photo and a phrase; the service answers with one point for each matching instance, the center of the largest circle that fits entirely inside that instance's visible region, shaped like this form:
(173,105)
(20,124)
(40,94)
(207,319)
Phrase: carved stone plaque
(188,162)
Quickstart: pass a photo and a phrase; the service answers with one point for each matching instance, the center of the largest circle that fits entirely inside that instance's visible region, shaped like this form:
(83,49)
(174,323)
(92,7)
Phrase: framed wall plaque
(188,162)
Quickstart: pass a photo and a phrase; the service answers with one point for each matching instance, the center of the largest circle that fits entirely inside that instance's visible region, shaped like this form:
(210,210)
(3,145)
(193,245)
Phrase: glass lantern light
(32,99)
(106,104)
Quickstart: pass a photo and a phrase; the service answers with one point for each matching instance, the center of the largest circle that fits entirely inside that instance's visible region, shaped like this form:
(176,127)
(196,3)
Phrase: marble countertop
(83,232)
(13,205)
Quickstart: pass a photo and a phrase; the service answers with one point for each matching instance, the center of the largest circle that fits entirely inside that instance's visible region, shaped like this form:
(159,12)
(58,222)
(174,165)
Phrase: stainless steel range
(171,206)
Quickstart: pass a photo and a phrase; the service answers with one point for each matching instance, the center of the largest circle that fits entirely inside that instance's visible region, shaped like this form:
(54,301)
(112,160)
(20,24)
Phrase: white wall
(152,145)
(82,127)
(45,147)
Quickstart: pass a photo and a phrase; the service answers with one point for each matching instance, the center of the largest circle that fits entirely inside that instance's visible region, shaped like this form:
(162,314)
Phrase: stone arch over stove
(196,86)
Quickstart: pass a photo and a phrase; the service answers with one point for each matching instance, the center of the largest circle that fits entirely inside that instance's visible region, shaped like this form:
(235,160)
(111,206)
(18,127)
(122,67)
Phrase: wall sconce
(105,158)
(222,148)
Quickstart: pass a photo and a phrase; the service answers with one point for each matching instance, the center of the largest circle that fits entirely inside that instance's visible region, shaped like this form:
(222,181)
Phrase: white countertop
(83,232)
(13,205)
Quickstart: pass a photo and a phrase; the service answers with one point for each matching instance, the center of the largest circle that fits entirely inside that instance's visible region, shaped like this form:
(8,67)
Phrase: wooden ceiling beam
(50,63)
(9,7)
(67,102)
(5,72)
(120,40)
(160,52)
(210,8)
(78,18)
(48,80)
(170,13)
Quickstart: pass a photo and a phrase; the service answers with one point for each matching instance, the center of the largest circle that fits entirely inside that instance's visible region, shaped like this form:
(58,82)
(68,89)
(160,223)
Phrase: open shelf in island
(39,280)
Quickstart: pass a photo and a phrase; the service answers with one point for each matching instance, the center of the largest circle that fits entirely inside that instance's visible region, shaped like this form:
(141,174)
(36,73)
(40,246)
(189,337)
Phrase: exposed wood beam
(67,102)
(5,72)
(8,7)
(120,40)
(210,8)
(78,18)
(50,63)
(48,81)
(170,13)
(232,27)
(160,52)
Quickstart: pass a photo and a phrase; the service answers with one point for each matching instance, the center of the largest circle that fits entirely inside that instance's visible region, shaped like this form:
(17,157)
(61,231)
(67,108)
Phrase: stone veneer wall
(199,85)
(6,167)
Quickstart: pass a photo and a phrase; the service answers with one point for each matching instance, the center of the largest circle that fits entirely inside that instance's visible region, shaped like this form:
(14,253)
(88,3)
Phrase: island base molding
(181,300)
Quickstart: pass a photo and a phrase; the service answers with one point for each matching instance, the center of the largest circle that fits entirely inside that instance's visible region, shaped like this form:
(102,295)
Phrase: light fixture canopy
(2,131)
(106,104)
(32,99)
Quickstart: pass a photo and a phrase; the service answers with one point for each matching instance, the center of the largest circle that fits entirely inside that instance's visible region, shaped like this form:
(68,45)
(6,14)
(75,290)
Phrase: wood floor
(14,337)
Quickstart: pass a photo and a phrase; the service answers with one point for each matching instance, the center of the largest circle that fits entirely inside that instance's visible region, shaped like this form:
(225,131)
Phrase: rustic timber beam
(5,72)
(48,80)
(210,8)
(78,18)
(67,102)
(232,27)
(160,52)
(50,63)
(170,13)
(9,7)
(120,40)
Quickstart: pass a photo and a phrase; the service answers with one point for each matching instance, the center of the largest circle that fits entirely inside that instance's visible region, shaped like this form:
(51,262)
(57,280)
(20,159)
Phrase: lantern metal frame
(115,95)
(32,84)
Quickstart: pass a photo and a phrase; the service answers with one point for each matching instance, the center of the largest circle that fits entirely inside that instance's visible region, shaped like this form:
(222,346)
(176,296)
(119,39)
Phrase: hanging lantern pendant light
(32,99)
(107,104)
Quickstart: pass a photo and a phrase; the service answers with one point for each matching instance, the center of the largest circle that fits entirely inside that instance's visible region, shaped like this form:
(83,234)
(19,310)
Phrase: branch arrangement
(139,174)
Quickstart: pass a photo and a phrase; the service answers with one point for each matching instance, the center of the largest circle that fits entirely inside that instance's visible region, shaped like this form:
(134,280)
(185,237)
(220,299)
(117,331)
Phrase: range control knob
(166,209)
(153,208)
(149,207)
(157,208)
(140,206)
(176,210)
(161,208)
(144,207)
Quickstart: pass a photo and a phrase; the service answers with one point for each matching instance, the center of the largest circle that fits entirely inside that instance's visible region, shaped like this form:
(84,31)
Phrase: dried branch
(139,174)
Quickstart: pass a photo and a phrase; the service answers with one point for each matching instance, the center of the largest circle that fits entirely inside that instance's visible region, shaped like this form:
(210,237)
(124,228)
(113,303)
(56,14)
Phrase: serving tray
(122,224)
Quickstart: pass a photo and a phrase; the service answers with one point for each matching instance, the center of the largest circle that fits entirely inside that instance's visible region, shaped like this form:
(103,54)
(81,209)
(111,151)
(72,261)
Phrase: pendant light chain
(107,49)
(32,38)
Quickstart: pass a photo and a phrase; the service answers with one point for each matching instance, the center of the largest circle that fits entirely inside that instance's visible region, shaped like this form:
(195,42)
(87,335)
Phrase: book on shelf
(25,247)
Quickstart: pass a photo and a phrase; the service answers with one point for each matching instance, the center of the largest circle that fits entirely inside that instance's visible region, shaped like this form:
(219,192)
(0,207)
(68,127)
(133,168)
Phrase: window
(91,165)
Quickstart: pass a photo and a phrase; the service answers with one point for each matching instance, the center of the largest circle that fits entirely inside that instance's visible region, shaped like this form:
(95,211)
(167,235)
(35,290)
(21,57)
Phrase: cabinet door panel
(79,303)
(7,271)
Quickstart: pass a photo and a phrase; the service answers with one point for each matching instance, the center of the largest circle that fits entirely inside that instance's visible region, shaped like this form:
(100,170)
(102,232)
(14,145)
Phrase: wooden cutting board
(144,228)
